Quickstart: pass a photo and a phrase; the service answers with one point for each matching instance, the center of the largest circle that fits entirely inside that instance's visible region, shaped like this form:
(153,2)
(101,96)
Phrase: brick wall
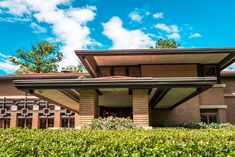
(212,96)
(88,106)
(229,99)
(230,102)
(140,107)
(186,112)
(189,70)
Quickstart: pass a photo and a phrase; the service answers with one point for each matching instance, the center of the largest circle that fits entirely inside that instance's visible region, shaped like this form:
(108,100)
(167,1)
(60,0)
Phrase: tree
(72,68)
(42,58)
(161,43)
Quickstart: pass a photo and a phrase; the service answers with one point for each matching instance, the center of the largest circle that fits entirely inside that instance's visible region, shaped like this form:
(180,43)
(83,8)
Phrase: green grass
(158,142)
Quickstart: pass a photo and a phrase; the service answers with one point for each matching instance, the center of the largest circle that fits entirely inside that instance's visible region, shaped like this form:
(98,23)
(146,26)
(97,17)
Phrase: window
(5,109)
(67,119)
(46,123)
(4,123)
(209,70)
(209,115)
(46,115)
(24,113)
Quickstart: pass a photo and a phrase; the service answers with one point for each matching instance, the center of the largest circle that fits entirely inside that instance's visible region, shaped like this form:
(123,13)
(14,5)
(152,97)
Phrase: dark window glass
(25,122)
(5,123)
(209,115)
(209,70)
(46,123)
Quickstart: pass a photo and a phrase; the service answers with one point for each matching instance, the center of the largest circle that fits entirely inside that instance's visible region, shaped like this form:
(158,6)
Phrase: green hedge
(157,142)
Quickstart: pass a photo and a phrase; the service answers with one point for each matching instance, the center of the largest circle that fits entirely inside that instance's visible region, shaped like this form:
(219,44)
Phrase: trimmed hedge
(112,123)
(157,142)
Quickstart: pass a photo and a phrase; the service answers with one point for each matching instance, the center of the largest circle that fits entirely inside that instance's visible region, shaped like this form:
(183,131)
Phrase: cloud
(68,24)
(123,38)
(195,35)
(172,30)
(174,36)
(168,29)
(135,16)
(158,15)
(6,65)
(37,28)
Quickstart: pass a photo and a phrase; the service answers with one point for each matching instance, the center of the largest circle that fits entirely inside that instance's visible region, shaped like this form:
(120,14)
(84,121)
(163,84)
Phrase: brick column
(76,120)
(13,121)
(222,115)
(141,107)
(35,118)
(88,106)
(57,119)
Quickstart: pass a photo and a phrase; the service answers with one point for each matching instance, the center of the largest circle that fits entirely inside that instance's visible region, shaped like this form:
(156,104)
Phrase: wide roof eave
(115,83)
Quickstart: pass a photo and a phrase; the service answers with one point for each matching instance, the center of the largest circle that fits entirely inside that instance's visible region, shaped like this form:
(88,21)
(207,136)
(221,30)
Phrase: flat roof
(166,92)
(141,82)
(55,75)
(121,57)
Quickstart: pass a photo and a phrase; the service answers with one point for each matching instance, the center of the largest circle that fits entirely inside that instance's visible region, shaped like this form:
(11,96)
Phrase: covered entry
(95,97)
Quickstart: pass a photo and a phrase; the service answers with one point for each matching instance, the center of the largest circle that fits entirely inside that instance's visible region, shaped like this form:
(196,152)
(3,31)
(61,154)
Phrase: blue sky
(107,24)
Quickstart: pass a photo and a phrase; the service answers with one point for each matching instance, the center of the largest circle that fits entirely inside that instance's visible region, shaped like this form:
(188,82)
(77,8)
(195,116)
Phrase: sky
(112,24)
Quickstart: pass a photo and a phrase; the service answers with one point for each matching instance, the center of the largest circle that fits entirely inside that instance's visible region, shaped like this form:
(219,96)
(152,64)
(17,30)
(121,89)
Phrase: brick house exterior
(153,87)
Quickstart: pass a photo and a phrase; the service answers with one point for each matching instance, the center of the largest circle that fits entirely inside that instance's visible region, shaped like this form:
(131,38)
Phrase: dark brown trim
(115,83)
(176,51)
(158,96)
(130,91)
(198,91)
(227,61)
(87,66)
(98,92)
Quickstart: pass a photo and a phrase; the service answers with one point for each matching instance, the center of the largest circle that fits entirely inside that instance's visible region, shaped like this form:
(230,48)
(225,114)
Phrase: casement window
(5,109)
(132,71)
(209,115)
(46,115)
(67,119)
(24,113)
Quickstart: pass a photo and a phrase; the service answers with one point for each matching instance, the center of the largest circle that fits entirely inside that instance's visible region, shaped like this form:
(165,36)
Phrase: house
(155,87)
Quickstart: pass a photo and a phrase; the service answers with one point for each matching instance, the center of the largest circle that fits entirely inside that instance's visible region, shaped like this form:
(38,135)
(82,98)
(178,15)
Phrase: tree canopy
(162,43)
(72,68)
(42,58)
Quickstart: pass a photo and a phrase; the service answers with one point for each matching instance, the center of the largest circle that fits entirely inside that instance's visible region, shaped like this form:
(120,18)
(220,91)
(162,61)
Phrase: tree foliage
(42,58)
(162,43)
(73,68)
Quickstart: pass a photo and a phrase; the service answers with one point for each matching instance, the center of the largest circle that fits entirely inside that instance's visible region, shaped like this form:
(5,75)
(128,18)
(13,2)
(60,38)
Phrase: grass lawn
(157,142)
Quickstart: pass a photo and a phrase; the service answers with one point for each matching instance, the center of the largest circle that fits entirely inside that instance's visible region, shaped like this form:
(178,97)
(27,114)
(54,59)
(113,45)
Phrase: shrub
(202,125)
(112,123)
(125,143)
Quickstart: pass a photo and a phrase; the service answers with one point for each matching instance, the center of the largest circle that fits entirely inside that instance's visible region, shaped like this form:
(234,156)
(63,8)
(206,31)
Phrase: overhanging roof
(141,82)
(170,91)
(92,59)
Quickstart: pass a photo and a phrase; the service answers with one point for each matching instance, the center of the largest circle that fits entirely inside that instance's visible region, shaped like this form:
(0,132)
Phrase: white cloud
(158,15)
(135,16)
(6,65)
(175,36)
(168,29)
(67,23)
(172,30)
(15,19)
(195,35)
(37,28)
(123,38)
